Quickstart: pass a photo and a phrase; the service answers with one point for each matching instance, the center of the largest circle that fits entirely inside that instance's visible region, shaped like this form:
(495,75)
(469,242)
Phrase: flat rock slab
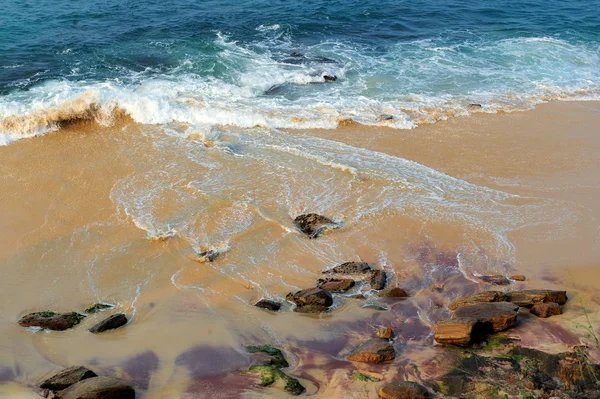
(312,300)
(336,284)
(51,321)
(373,351)
(67,377)
(482,297)
(528,298)
(268,304)
(545,310)
(110,323)
(501,315)
(99,388)
(394,292)
(455,331)
(378,280)
(403,390)
(313,225)
(350,268)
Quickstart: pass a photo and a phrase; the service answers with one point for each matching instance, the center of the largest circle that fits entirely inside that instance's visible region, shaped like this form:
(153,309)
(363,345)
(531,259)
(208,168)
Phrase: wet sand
(72,226)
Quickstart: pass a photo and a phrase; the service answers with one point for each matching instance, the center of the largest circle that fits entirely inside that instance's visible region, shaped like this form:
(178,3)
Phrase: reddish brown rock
(350,268)
(495,280)
(403,390)
(501,316)
(99,388)
(373,351)
(51,320)
(393,292)
(456,331)
(312,300)
(546,309)
(482,297)
(314,225)
(378,280)
(336,284)
(67,377)
(528,298)
(518,277)
(385,333)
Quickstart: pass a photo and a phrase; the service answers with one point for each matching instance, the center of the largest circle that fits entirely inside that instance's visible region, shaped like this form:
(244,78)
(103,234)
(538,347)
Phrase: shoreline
(68,182)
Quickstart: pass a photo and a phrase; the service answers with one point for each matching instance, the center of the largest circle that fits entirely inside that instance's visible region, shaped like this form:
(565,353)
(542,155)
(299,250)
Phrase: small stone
(350,268)
(110,323)
(385,333)
(378,280)
(312,300)
(99,388)
(546,309)
(330,78)
(373,351)
(385,117)
(403,390)
(51,321)
(336,285)
(495,280)
(518,277)
(314,225)
(67,377)
(393,292)
(268,304)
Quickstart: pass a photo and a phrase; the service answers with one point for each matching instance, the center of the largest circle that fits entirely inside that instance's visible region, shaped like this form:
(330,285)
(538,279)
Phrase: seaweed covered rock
(99,388)
(51,321)
(98,307)
(373,351)
(350,268)
(110,323)
(270,371)
(314,225)
(312,300)
(403,390)
(67,377)
(336,284)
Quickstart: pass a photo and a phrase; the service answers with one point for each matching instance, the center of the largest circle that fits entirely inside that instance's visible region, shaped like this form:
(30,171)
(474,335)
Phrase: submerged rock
(110,323)
(99,388)
(336,284)
(268,304)
(51,321)
(393,292)
(67,377)
(403,390)
(378,280)
(314,225)
(98,307)
(495,280)
(373,351)
(546,309)
(350,268)
(312,300)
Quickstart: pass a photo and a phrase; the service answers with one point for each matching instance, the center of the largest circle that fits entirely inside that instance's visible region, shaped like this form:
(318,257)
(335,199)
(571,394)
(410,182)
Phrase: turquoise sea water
(224,62)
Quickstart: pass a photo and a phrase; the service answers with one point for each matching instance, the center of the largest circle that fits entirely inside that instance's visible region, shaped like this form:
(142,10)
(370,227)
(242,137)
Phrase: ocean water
(229,63)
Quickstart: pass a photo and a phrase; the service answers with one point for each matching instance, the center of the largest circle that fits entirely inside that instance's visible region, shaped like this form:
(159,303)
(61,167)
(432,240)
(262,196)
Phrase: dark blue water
(225,62)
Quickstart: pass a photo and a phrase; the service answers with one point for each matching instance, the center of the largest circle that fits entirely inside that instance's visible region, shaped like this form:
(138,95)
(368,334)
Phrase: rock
(335,284)
(373,351)
(51,320)
(350,268)
(528,298)
(461,332)
(482,297)
(495,280)
(473,106)
(385,117)
(385,333)
(67,377)
(378,280)
(269,369)
(98,307)
(403,390)
(518,277)
(314,225)
(268,304)
(99,388)
(312,300)
(110,323)
(275,356)
(501,316)
(295,54)
(330,78)
(393,292)
(546,309)
(207,256)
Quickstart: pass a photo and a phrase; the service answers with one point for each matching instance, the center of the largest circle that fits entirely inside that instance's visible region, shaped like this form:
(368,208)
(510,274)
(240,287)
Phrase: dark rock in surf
(51,321)
(350,268)
(67,377)
(295,54)
(268,304)
(99,388)
(336,284)
(207,256)
(385,117)
(314,225)
(110,323)
(403,390)
(378,280)
(312,300)
(474,106)
(330,78)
